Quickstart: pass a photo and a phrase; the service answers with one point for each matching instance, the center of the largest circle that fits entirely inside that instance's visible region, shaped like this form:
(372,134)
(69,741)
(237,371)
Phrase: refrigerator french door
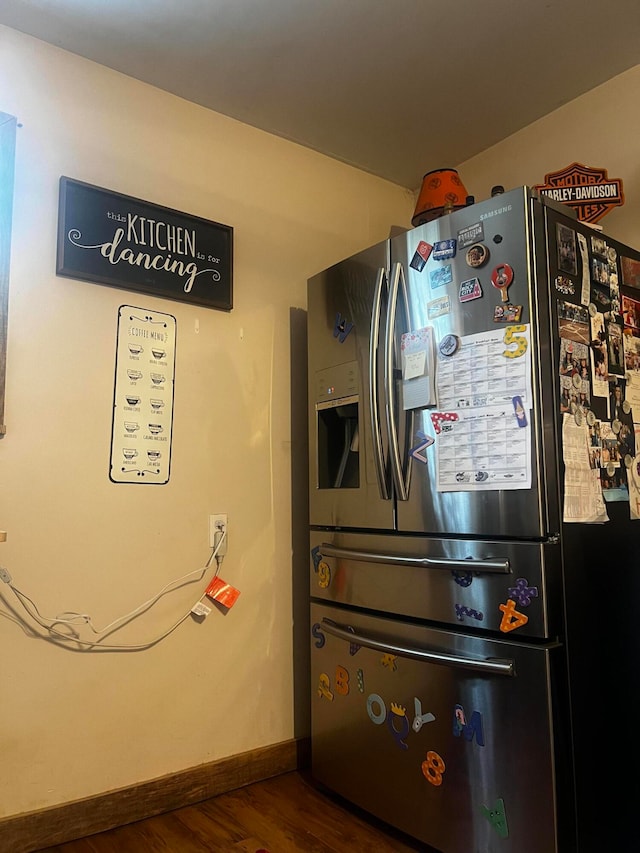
(495,311)
(368,469)
(349,447)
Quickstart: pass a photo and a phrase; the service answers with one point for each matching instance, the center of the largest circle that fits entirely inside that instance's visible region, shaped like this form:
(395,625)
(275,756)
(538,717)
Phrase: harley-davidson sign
(590,192)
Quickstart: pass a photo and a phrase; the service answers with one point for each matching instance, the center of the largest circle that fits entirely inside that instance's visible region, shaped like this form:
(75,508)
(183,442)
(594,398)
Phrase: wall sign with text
(588,190)
(109,238)
(143,397)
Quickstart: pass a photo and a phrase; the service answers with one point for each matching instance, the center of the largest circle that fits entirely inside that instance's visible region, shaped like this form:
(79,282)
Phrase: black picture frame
(105,237)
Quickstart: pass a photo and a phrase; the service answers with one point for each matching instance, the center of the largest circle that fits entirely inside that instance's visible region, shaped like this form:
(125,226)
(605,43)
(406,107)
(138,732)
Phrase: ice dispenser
(338,428)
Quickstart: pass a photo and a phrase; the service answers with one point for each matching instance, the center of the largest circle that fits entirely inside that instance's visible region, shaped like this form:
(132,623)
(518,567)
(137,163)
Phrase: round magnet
(449,344)
(626,407)
(477,255)
(592,310)
(573,406)
(577,415)
(616,426)
(628,460)
(576,381)
(611,469)
(591,418)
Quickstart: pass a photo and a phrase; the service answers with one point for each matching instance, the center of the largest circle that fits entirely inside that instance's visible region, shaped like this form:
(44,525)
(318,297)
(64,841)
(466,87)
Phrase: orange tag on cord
(223,592)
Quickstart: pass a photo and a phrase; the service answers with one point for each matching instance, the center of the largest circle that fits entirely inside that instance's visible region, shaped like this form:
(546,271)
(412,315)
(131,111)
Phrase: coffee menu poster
(143,397)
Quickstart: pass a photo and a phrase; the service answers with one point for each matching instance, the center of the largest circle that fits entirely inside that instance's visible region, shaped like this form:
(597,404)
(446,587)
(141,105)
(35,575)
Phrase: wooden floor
(286,814)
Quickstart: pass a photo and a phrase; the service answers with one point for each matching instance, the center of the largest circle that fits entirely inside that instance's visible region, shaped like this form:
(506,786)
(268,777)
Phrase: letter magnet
(341,328)
(518,408)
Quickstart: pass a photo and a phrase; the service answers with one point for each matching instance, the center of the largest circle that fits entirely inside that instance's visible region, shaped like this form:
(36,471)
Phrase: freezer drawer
(511,587)
(445,736)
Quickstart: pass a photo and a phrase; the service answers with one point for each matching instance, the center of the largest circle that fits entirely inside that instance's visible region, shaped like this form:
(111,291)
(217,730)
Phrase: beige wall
(73,724)
(599,129)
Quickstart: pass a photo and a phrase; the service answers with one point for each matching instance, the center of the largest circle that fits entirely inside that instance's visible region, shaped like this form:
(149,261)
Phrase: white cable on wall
(68,618)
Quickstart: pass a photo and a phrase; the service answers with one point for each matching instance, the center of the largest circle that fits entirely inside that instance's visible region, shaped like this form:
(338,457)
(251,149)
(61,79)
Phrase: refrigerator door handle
(492,666)
(485,566)
(374,400)
(400,479)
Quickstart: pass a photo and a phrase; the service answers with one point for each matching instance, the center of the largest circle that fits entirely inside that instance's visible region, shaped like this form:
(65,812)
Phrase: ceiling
(394,87)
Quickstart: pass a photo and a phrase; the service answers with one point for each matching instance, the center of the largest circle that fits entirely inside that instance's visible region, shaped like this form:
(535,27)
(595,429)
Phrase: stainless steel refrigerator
(474,552)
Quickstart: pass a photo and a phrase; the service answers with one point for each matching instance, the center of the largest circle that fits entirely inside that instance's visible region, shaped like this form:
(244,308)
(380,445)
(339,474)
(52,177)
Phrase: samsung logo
(496,212)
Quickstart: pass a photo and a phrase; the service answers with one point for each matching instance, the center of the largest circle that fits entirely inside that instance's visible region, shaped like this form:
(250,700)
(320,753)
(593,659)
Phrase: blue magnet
(397,712)
(522,592)
(341,328)
(441,276)
(444,249)
(521,415)
(417,451)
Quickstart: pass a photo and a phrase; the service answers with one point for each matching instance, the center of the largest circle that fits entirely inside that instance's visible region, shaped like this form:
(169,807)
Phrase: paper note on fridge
(488,369)
(583,499)
(418,374)
(414,364)
(481,449)
(483,436)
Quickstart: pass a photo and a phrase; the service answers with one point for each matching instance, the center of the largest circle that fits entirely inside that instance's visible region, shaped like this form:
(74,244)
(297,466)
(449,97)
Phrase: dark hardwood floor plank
(327,825)
(113,841)
(205,826)
(168,829)
(279,831)
(339,826)
(323,829)
(287,813)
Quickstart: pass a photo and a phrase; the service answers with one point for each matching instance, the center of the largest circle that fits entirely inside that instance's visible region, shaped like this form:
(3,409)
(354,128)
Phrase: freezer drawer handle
(494,666)
(497,566)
